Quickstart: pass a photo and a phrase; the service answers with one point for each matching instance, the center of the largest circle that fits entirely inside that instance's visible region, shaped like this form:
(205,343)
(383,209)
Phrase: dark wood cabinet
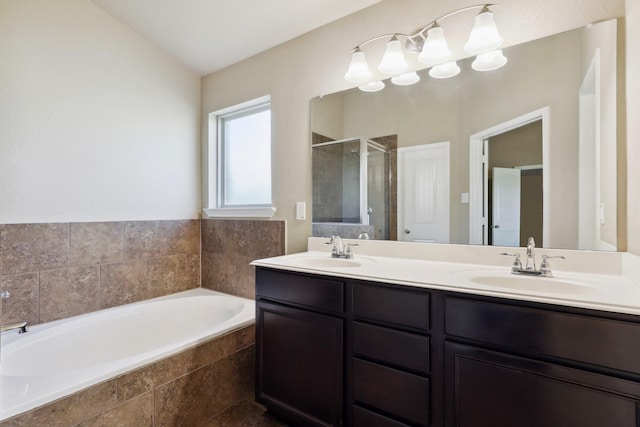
(492,389)
(333,351)
(389,375)
(299,352)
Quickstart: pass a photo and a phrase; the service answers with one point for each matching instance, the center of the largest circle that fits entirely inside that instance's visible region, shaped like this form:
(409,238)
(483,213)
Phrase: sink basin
(514,282)
(326,261)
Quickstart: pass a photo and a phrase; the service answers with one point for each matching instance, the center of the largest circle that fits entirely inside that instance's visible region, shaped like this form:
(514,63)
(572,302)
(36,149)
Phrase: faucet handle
(546,258)
(517,265)
(545,268)
(348,252)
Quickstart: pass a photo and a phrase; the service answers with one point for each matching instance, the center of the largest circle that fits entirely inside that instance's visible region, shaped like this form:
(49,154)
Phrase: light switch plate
(301,210)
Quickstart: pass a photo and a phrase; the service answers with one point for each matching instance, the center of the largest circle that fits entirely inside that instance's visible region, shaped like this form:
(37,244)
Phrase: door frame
(479,178)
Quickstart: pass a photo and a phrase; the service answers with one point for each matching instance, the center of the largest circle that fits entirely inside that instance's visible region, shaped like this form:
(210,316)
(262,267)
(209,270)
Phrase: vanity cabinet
(339,351)
(509,364)
(390,347)
(299,347)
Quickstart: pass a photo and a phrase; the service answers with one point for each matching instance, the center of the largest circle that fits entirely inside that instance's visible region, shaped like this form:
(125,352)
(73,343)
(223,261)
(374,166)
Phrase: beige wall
(633,124)
(97,123)
(314,64)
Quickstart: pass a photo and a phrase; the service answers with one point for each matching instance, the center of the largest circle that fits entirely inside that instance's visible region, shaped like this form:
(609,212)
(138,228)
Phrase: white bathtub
(58,358)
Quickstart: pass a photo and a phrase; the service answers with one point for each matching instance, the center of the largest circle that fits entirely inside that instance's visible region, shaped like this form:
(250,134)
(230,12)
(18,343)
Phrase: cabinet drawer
(365,418)
(598,341)
(391,305)
(393,392)
(315,292)
(402,349)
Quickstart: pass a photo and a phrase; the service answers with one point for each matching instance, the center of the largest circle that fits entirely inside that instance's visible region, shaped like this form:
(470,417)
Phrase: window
(239,167)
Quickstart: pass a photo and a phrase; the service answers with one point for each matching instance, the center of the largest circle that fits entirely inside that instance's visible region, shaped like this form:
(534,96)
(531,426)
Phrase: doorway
(515,186)
(520,144)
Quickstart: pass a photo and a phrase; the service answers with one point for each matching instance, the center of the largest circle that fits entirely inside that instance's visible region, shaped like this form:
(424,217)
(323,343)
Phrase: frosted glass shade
(489,61)
(358,71)
(406,79)
(393,61)
(445,71)
(484,35)
(435,49)
(372,87)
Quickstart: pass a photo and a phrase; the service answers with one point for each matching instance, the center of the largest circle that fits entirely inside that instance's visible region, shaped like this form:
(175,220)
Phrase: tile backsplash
(57,270)
(229,245)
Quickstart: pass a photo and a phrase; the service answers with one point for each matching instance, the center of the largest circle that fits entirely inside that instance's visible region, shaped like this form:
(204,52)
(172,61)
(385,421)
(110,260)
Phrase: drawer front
(393,392)
(315,292)
(365,418)
(394,306)
(401,349)
(608,343)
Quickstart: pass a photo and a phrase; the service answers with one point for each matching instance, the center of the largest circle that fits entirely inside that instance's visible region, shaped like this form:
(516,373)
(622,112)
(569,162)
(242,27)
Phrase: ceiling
(207,35)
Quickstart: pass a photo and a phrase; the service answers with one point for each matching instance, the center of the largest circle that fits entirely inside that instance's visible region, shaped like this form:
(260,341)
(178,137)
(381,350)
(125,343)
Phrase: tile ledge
(257,212)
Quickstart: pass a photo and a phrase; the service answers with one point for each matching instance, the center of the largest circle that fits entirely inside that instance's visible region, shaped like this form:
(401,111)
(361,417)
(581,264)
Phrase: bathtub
(59,358)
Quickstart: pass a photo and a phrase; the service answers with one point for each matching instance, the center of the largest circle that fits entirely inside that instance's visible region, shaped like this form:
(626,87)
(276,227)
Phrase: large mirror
(481,158)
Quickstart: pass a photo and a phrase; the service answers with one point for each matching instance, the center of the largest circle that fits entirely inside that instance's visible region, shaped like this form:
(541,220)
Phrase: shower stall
(351,184)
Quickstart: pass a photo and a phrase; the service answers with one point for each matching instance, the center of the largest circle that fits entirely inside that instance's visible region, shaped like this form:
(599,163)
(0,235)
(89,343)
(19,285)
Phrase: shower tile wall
(57,270)
(229,245)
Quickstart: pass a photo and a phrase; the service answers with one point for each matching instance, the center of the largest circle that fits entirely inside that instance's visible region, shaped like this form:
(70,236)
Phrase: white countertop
(608,289)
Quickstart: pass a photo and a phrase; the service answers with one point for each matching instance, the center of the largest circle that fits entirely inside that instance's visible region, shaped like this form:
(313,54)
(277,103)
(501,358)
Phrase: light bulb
(406,79)
(372,86)
(445,71)
(489,61)
(435,49)
(393,61)
(484,35)
(358,71)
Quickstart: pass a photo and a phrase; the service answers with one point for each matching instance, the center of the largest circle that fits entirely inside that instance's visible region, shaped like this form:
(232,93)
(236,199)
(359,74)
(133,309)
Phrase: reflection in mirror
(565,157)
(352,197)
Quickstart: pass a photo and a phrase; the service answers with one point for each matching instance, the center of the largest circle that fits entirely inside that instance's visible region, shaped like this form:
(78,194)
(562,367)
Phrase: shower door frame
(363,175)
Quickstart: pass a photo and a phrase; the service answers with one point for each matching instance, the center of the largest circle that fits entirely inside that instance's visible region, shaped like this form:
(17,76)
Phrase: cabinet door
(299,364)
(486,388)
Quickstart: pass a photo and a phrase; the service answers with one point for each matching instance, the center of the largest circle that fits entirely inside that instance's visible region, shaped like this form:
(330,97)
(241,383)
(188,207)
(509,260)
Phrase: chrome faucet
(530,263)
(21,327)
(340,249)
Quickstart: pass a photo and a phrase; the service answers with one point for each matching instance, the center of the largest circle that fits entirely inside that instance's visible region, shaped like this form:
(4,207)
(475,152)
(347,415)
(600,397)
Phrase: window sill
(264,212)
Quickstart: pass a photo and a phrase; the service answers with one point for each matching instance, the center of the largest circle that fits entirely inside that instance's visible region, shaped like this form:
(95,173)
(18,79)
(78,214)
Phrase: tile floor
(245,414)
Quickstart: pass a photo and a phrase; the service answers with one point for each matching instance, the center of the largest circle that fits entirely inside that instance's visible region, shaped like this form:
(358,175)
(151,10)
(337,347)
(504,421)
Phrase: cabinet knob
(407,231)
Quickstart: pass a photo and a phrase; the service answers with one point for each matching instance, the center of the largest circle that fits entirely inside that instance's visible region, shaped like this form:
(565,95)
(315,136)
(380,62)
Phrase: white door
(423,193)
(506,207)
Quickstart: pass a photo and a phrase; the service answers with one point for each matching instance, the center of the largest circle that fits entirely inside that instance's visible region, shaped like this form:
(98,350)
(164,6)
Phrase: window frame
(213,169)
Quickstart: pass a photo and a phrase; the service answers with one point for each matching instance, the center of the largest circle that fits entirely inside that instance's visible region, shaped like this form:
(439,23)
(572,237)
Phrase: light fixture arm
(420,33)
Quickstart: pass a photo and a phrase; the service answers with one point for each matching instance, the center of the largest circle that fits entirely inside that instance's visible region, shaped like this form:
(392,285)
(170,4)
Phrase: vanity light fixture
(432,51)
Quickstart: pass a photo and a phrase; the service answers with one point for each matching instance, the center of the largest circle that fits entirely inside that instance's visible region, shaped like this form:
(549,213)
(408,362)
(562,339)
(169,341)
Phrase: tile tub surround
(229,245)
(187,389)
(58,270)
